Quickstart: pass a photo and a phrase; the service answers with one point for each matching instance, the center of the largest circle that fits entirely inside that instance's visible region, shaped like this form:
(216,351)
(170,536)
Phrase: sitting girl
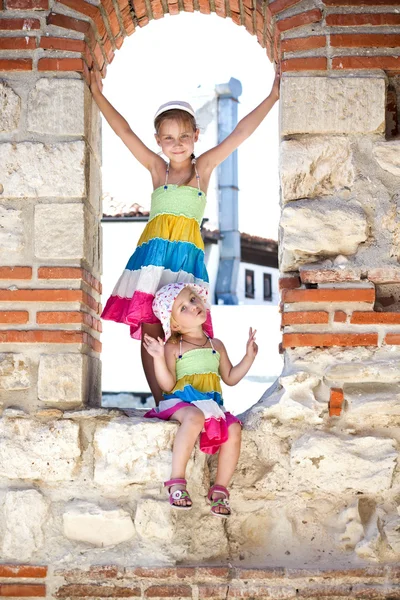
(188,367)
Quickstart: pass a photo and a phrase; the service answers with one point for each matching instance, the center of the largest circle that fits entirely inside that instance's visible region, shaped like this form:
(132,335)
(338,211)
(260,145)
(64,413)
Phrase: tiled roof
(115,208)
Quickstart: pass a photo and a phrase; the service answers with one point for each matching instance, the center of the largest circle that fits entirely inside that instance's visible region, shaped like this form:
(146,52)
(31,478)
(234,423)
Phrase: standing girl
(170,248)
(189,366)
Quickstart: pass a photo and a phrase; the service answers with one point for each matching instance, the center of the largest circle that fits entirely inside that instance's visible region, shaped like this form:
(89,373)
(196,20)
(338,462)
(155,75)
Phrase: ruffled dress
(198,383)
(170,250)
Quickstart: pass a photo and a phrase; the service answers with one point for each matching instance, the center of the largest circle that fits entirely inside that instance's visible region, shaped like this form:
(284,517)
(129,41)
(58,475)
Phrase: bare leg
(192,421)
(227,461)
(154,330)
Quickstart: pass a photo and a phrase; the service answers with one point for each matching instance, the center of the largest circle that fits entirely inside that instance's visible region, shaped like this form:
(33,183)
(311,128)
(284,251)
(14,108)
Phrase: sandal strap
(176,481)
(220,502)
(217,488)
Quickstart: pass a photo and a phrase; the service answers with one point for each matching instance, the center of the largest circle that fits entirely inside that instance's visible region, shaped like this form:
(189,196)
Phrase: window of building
(249,283)
(267,286)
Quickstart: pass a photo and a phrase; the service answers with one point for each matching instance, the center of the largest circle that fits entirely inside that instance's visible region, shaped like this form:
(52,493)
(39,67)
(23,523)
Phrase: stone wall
(318,483)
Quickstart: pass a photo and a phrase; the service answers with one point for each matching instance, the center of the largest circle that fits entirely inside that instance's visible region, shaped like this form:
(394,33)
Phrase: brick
(18,43)
(15,272)
(280,5)
(336,398)
(67,316)
(168,591)
(329,275)
(371,318)
(311,317)
(46,337)
(60,43)
(21,64)
(41,295)
(162,572)
(11,571)
(216,592)
(352,20)
(12,316)
(19,24)
(60,64)
(22,590)
(329,295)
(294,340)
(340,316)
(365,40)
(69,23)
(303,43)
(384,275)
(392,339)
(334,412)
(80,590)
(204,6)
(289,283)
(89,10)
(319,63)
(387,63)
(303,18)
(271,573)
(94,572)
(27,4)
(217,572)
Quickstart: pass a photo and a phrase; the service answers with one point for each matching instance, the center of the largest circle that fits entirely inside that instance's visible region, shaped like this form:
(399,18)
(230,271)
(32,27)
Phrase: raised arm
(212,158)
(140,151)
(232,375)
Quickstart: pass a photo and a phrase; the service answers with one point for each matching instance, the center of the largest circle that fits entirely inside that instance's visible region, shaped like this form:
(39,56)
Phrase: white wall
(258,284)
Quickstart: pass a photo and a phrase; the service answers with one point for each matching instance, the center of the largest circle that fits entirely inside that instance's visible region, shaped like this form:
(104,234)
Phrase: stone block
(87,522)
(315,229)
(33,450)
(365,372)
(154,520)
(11,233)
(14,372)
(338,463)
(35,170)
(332,105)
(310,167)
(387,155)
(10,108)
(56,106)
(24,516)
(59,231)
(133,450)
(62,378)
(298,401)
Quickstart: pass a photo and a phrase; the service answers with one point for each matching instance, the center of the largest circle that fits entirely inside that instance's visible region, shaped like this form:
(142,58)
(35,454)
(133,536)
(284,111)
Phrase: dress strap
(212,345)
(197,178)
(166,177)
(180,348)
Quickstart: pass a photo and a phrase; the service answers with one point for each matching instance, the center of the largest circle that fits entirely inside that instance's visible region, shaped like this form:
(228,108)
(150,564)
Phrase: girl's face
(188,311)
(176,139)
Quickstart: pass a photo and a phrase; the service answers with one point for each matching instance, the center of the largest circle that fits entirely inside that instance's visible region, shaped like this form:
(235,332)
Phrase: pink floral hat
(165,298)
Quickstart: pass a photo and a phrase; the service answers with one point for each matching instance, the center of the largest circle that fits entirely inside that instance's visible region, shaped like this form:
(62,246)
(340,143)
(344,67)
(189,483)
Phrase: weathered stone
(365,372)
(387,154)
(352,529)
(62,378)
(14,372)
(30,170)
(33,450)
(154,520)
(24,516)
(332,104)
(11,233)
(298,401)
(310,167)
(86,522)
(10,108)
(133,451)
(56,106)
(336,464)
(392,533)
(59,231)
(319,228)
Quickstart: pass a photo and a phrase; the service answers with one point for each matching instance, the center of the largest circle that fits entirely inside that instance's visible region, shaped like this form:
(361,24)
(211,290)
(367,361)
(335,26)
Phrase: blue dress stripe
(190,394)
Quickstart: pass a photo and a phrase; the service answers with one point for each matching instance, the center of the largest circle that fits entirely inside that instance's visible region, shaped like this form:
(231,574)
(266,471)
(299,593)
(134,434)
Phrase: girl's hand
(155,347)
(277,82)
(94,86)
(251,346)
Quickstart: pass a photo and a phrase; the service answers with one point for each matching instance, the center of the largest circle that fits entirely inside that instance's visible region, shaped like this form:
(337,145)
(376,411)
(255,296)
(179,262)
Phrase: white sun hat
(177,104)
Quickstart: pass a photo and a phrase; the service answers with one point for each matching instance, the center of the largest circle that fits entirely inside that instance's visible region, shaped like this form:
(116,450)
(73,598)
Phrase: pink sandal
(220,501)
(178,494)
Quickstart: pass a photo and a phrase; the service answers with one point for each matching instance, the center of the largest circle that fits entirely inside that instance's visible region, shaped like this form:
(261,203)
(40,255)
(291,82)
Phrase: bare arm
(232,375)
(120,126)
(164,362)
(212,158)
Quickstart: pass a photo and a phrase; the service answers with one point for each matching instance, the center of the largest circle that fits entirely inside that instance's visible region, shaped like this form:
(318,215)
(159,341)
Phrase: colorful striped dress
(198,383)
(170,250)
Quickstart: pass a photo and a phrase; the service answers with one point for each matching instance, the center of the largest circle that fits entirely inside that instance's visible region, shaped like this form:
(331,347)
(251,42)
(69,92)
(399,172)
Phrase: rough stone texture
(87,522)
(32,170)
(56,106)
(319,228)
(154,520)
(131,451)
(336,464)
(298,401)
(24,516)
(365,372)
(14,372)
(387,155)
(392,533)
(59,231)
(10,108)
(34,450)
(326,105)
(62,378)
(11,232)
(310,167)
